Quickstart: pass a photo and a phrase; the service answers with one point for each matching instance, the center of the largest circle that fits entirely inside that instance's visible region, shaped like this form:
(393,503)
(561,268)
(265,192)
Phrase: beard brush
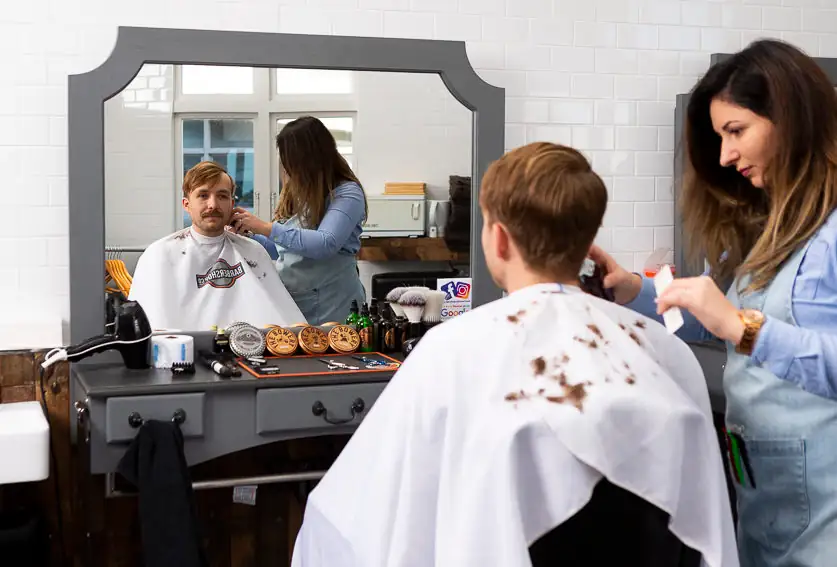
(434,301)
(413,302)
(392,298)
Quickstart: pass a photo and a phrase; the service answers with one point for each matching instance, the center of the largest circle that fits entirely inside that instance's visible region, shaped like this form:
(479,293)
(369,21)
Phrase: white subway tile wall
(598,74)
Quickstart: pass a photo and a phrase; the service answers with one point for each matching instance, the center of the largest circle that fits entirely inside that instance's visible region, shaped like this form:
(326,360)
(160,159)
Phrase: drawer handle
(178,417)
(357,407)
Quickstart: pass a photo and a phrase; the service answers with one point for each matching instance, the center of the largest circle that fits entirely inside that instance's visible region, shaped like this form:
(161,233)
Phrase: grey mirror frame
(137,46)
(827,64)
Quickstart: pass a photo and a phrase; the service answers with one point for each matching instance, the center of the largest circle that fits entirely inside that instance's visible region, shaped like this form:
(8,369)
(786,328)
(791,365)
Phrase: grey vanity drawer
(292,409)
(161,408)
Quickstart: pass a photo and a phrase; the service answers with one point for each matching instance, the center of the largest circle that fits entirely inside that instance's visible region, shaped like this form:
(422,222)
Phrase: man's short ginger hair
(205,173)
(550,200)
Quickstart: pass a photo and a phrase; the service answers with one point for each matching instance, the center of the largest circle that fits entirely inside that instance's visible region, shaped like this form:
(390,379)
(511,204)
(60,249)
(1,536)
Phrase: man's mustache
(212,214)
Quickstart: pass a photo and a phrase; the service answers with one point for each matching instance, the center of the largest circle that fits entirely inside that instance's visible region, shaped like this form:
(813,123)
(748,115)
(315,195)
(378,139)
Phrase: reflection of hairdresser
(319,218)
(759,200)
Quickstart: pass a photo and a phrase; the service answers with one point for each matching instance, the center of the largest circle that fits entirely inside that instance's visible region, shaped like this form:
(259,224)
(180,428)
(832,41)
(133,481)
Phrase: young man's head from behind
(542,205)
(208,193)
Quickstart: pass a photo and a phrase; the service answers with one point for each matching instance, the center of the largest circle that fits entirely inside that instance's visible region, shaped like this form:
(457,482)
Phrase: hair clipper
(592,280)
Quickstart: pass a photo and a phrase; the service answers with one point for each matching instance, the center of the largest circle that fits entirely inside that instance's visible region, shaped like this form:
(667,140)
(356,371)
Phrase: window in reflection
(228,141)
(313,81)
(210,80)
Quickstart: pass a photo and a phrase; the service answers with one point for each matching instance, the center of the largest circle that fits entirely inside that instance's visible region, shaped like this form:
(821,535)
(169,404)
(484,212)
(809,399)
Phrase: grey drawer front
(291,409)
(117,428)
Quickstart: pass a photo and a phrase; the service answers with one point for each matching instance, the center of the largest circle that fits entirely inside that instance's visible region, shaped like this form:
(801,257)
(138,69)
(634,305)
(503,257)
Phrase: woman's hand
(243,221)
(625,285)
(702,298)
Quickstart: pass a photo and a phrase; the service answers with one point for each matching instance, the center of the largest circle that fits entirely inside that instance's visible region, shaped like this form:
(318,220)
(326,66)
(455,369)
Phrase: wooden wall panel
(100,532)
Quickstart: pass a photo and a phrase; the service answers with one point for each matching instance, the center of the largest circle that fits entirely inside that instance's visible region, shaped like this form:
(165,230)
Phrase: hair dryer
(131,337)
(112,302)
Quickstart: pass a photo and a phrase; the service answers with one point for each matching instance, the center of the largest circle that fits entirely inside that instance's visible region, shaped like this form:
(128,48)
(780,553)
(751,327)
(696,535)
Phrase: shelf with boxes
(403,225)
(383,249)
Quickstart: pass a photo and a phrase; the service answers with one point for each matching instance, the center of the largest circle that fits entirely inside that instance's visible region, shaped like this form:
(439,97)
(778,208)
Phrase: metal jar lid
(313,340)
(343,339)
(247,341)
(229,329)
(281,342)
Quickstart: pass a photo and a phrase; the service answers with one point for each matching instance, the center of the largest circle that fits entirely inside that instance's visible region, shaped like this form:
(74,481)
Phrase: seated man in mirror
(502,421)
(206,275)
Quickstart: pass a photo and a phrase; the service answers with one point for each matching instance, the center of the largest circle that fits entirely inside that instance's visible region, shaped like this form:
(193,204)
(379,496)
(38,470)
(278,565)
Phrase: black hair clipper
(591,278)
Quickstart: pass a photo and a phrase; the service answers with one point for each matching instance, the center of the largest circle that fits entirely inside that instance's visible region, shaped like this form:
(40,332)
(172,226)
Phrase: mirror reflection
(281,196)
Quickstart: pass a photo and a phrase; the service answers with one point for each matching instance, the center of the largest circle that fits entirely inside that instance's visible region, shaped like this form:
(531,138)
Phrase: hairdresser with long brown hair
(758,201)
(315,235)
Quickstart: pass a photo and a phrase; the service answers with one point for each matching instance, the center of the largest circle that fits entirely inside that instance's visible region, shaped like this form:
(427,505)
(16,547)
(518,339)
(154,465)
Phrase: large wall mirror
(390,128)
(403,113)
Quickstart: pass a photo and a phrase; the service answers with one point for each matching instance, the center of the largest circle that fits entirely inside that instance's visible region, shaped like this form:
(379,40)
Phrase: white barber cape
(192,282)
(499,425)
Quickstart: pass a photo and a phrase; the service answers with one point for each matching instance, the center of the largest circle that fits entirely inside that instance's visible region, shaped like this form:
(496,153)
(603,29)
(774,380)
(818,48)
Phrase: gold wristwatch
(753,320)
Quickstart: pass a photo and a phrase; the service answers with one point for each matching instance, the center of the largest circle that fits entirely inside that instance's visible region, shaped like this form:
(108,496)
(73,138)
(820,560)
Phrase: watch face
(752,316)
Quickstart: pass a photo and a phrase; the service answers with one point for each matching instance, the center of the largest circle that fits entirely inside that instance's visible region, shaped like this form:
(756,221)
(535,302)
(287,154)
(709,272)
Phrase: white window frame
(314,102)
(220,102)
(264,107)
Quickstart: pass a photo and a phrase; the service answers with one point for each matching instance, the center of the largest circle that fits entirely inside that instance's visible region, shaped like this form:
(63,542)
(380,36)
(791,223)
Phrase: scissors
(335,365)
(372,363)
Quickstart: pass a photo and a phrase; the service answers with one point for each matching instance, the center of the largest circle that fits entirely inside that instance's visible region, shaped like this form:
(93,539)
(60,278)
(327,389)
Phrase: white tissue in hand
(672,317)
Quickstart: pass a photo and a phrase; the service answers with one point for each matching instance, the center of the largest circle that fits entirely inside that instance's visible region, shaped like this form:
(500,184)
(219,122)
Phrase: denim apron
(324,288)
(790,517)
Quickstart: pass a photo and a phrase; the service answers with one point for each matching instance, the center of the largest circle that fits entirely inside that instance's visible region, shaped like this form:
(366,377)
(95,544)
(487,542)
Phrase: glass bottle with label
(388,331)
(402,325)
(351,320)
(364,329)
(377,336)
(221,342)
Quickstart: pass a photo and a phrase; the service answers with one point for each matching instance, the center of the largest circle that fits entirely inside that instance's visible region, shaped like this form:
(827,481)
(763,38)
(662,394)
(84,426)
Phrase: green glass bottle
(364,329)
(351,320)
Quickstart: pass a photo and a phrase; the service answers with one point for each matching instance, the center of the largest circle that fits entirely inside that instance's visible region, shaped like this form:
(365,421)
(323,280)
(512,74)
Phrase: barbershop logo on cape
(221,275)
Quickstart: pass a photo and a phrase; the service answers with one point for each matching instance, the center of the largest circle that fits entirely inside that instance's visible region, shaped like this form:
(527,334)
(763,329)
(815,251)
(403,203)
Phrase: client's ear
(502,241)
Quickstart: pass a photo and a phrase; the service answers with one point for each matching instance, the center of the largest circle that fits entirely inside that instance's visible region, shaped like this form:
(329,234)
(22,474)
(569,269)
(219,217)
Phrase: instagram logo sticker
(457,290)
(457,296)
